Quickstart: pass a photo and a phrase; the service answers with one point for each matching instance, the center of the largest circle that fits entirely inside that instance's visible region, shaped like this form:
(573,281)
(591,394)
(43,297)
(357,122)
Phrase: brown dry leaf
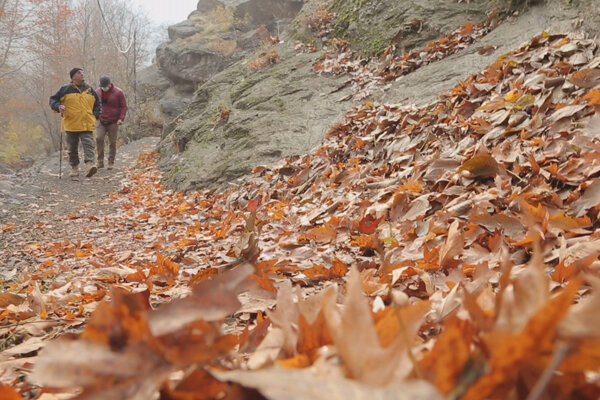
(581,320)
(337,270)
(247,247)
(370,362)
(512,352)
(452,350)
(322,234)
(199,342)
(418,208)
(453,246)
(589,199)
(565,112)
(566,223)
(285,316)
(36,301)
(480,166)
(198,385)
(511,226)
(390,323)
(211,300)
(29,346)
(525,293)
(7,299)
(135,372)
(586,78)
(302,384)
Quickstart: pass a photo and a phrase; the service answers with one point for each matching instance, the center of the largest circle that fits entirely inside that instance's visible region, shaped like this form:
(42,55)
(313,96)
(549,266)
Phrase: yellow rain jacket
(82,107)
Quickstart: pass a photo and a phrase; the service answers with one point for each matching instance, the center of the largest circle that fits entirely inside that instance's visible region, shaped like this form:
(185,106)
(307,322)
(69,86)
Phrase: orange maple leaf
(203,274)
(321,234)
(368,225)
(337,270)
(264,283)
(594,97)
(312,336)
(364,241)
(8,393)
(512,352)
(443,364)
(467,30)
(430,261)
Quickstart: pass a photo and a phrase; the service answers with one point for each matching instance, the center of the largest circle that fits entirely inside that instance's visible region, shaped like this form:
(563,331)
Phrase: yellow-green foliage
(19,139)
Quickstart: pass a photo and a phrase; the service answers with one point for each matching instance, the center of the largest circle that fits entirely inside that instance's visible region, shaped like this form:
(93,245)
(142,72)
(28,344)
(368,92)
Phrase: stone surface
(280,110)
(215,35)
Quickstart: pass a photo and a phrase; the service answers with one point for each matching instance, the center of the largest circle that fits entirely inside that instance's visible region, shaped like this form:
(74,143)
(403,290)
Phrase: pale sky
(167,12)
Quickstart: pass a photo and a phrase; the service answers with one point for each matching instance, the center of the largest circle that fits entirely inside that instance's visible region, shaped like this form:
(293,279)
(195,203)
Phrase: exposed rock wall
(215,35)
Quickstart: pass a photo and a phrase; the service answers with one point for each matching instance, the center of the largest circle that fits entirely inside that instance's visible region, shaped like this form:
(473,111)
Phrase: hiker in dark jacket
(114,108)
(79,106)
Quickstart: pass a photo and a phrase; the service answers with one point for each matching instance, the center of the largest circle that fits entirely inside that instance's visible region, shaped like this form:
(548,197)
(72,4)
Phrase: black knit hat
(74,71)
(104,81)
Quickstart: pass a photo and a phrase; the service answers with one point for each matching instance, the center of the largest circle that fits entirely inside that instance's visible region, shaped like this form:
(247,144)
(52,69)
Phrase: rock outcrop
(244,116)
(214,36)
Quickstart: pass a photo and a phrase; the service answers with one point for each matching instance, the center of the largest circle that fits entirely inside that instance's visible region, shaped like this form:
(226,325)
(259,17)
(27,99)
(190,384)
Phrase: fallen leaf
(8,393)
(586,78)
(300,384)
(369,363)
(7,299)
(212,299)
(589,199)
(368,225)
(480,166)
(453,246)
(444,363)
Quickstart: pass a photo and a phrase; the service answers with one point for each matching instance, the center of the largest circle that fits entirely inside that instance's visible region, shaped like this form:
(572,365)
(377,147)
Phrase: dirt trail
(35,204)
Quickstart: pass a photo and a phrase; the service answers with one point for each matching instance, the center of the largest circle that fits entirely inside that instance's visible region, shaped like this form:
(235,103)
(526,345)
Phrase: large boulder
(215,35)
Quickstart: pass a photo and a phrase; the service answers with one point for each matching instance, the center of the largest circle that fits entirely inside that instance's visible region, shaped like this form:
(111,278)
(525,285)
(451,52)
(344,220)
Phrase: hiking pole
(60,150)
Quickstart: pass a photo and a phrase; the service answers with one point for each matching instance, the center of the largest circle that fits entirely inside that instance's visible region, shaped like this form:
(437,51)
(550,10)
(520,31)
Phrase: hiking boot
(100,164)
(74,174)
(92,169)
(111,165)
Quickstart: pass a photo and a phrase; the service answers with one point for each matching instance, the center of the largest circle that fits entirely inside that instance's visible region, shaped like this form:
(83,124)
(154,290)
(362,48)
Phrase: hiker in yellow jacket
(79,106)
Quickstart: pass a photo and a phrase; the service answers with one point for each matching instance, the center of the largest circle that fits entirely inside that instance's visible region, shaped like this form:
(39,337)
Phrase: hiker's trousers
(87,141)
(110,130)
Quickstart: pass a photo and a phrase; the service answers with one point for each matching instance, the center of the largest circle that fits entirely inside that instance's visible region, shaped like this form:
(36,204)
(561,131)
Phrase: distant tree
(41,40)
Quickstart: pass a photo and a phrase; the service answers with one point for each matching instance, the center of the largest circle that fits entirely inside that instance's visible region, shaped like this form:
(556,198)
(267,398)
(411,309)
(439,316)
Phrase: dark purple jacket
(114,105)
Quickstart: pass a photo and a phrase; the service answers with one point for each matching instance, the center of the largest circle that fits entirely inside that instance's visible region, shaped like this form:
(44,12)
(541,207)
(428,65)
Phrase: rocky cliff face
(270,103)
(215,35)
